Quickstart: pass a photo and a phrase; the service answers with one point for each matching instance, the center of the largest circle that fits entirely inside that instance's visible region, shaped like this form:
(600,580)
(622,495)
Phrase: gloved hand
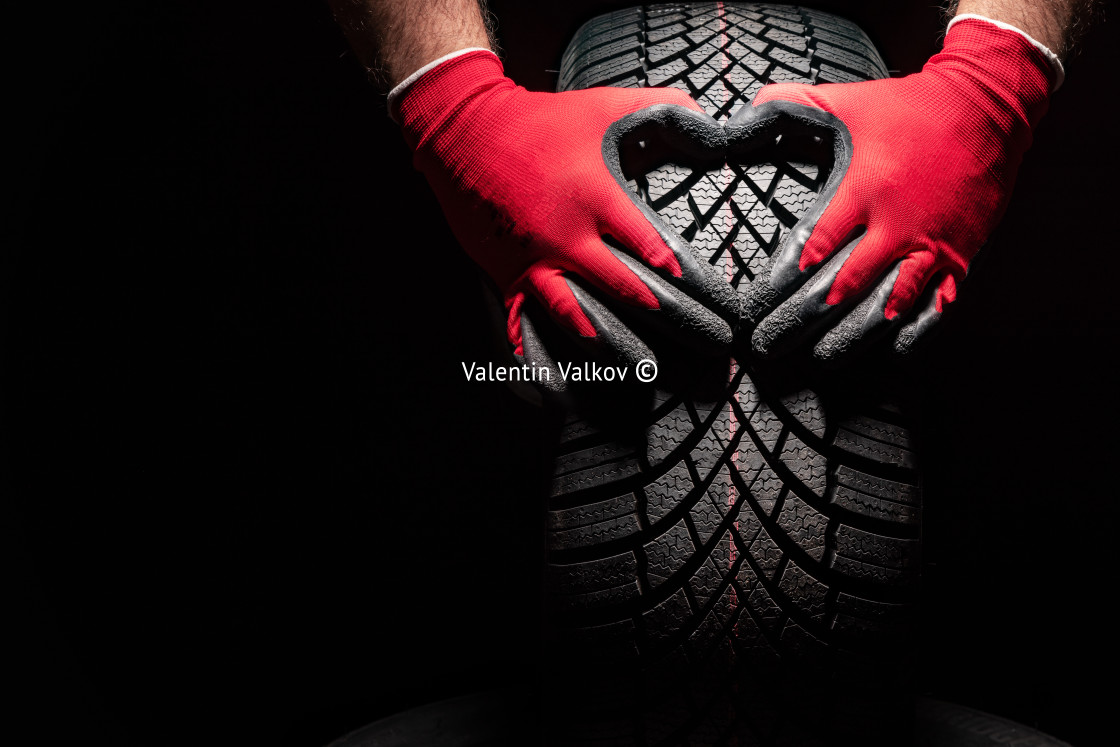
(925,167)
(524,182)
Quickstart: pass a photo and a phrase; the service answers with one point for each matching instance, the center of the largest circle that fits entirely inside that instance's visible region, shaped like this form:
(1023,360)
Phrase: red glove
(524,184)
(925,167)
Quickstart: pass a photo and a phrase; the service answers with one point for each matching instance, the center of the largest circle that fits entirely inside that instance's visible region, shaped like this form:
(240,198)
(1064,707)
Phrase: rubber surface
(475,720)
(495,718)
(736,565)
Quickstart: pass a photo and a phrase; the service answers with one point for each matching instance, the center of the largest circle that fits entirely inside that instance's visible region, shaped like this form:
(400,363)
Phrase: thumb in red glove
(924,169)
(527,183)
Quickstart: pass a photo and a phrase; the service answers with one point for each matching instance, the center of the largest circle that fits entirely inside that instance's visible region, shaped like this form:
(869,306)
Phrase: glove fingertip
(930,306)
(901,300)
(685,99)
(917,330)
(778,92)
(832,232)
(612,275)
(946,292)
(660,257)
(561,303)
(667,95)
(635,231)
(513,322)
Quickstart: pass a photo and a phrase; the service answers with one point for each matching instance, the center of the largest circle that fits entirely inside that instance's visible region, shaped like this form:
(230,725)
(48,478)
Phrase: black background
(251,499)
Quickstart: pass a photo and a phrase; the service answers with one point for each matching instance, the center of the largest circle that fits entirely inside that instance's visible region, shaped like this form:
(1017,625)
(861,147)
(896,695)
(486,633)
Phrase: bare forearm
(393,39)
(1056,23)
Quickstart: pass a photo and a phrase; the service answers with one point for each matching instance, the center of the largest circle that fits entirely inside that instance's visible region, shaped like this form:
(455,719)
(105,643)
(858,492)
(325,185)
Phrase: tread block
(570,483)
(887,552)
(803,525)
(668,553)
(668,491)
(665,619)
(705,582)
(872,444)
(766,553)
(668,434)
(608,530)
(593,575)
(867,618)
(877,497)
(808,465)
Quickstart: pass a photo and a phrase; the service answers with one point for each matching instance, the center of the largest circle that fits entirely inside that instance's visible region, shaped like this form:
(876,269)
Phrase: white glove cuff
(1059,71)
(404,84)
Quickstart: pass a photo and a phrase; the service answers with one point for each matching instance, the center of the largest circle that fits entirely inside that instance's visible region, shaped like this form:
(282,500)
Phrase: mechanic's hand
(522,179)
(916,190)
